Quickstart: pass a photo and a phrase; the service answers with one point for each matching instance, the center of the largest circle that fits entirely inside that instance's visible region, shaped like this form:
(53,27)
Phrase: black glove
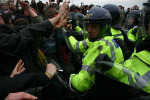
(69,33)
(130,44)
(134,31)
(74,33)
(143,45)
(126,52)
(74,24)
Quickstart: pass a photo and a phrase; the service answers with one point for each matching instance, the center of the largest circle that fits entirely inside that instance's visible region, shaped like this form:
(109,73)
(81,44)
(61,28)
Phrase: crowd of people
(37,40)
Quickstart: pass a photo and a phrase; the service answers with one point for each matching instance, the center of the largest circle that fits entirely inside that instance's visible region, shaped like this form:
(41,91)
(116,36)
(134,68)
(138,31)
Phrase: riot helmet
(71,15)
(100,17)
(144,27)
(115,14)
(76,19)
(71,19)
(133,18)
(79,19)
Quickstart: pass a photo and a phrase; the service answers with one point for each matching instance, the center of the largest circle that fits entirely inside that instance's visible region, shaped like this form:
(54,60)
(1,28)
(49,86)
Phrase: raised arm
(27,7)
(62,13)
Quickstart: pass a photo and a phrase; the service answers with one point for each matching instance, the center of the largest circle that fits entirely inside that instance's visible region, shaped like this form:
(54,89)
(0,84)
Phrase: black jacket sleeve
(21,82)
(13,39)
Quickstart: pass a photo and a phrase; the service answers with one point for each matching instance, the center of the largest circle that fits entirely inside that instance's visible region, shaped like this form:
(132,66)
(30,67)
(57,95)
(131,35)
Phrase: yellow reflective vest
(116,33)
(106,46)
(140,64)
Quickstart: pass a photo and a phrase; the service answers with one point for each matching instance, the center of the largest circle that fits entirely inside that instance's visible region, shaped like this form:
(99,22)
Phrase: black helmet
(101,16)
(76,19)
(133,14)
(115,14)
(72,7)
(79,19)
(144,20)
(71,15)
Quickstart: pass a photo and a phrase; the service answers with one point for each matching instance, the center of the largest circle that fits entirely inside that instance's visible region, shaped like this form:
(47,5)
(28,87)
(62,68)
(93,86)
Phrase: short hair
(21,21)
(50,14)
(72,7)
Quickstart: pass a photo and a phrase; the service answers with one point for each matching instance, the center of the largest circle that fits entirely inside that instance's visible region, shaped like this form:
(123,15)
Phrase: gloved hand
(69,33)
(130,44)
(74,24)
(134,31)
(126,52)
(73,33)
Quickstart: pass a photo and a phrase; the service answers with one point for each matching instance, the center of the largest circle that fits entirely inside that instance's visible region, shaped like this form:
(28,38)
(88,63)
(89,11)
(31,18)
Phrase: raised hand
(24,5)
(62,22)
(63,8)
(18,68)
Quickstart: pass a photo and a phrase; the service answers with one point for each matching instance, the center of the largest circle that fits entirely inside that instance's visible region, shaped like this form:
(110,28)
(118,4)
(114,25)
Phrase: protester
(15,42)
(22,40)
(20,81)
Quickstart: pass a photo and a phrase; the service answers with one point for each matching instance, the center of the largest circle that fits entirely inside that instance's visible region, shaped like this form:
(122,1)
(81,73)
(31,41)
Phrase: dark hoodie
(21,43)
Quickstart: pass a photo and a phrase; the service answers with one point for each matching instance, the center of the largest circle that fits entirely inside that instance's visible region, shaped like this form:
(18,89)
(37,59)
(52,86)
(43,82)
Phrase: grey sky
(125,3)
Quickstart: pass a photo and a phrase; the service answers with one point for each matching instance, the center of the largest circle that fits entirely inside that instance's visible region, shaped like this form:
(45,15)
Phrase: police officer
(133,20)
(77,27)
(139,61)
(115,30)
(118,32)
(97,22)
(116,20)
(136,70)
(76,23)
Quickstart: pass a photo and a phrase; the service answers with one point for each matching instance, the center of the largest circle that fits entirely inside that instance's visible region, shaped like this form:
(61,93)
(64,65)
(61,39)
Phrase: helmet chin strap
(98,37)
(100,34)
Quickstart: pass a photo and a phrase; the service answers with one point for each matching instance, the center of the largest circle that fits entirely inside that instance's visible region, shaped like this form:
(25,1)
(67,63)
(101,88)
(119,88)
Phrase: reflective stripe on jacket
(141,65)
(79,46)
(106,46)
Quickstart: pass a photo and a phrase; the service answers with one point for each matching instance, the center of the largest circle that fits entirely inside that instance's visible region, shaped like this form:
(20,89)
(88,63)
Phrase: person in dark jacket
(19,81)
(21,42)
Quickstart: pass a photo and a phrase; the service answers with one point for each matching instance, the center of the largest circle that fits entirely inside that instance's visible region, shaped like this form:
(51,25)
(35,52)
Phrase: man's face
(131,20)
(75,10)
(93,30)
(52,8)
(1,20)
(26,13)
